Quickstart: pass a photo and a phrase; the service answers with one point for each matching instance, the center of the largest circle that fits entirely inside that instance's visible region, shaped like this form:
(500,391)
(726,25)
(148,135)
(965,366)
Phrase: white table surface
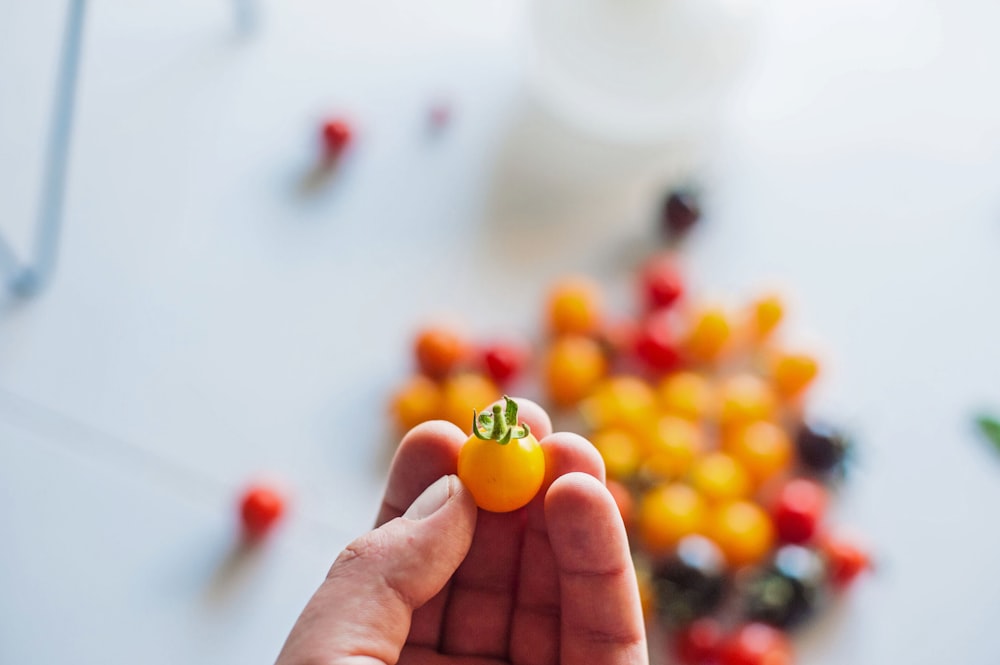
(211,321)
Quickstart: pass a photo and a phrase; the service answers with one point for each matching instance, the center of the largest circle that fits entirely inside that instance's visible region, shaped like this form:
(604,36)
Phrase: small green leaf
(990,427)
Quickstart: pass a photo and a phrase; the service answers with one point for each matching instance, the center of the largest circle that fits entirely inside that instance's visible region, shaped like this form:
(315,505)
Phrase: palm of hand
(547,584)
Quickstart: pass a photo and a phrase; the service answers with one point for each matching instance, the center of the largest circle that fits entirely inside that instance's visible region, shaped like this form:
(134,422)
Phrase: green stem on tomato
(500,426)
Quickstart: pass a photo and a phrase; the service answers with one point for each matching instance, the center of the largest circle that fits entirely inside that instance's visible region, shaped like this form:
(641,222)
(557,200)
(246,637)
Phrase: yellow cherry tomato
(574,307)
(619,449)
(501,464)
(672,447)
(743,532)
(792,373)
(686,394)
(620,401)
(668,513)
(572,367)
(745,398)
(720,477)
(709,334)
(417,401)
(461,394)
(764,448)
(765,314)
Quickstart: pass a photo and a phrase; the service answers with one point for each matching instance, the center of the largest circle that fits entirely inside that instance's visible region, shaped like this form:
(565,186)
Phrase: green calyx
(990,427)
(501,425)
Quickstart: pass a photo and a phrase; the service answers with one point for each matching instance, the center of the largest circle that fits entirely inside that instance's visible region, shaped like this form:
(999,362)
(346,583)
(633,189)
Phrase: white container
(639,71)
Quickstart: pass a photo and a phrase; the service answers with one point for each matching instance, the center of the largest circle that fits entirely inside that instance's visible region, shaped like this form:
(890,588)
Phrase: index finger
(427,452)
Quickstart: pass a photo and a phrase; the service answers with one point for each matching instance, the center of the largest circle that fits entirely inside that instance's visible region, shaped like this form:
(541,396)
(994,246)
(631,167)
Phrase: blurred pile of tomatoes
(698,411)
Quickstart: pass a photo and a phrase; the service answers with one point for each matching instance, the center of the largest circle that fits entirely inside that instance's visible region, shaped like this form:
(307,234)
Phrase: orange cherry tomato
(439,351)
(574,307)
(686,394)
(461,394)
(623,499)
(845,559)
(672,447)
(792,373)
(745,398)
(720,477)
(742,530)
(764,448)
(572,367)
(501,464)
(417,401)
(709,334)
(619,450)
(765,314)
(668,513)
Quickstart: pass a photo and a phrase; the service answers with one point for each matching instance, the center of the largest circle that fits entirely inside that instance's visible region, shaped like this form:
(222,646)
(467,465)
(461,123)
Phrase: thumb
(362,611)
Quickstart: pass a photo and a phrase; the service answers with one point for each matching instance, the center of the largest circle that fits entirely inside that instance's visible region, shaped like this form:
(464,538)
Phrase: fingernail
(431,499)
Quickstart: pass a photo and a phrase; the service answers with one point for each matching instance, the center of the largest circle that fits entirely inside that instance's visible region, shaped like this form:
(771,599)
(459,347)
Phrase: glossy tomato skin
(502,477)
(742,530)
(692,582)
(656,344)
(417,401)
(798,510)
(756,644)
(792,373)
(681,211)
(439,351)
(821,449)
(261,506)
(709,335)
(337,135)
(462,393)
(666,514)
(504,361)
(574,307)
(763,448)
(766,313)
(845,560)
(661,282)
(788,590)
(571,368)
(624,501)
(698,642)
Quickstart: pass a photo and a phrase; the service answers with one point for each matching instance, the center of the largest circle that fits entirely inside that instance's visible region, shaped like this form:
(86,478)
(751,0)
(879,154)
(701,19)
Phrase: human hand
(440,582)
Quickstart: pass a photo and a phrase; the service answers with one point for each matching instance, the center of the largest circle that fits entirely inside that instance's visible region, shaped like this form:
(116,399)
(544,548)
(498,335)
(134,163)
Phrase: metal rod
(35,275)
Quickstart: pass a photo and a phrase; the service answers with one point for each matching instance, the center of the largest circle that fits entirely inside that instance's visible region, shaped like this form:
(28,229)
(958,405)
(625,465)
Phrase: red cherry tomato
(845,558)
(756,644)
(504,361)
(337,135)
(656,344)
(698,642)
(661,281)
(798,510)
(261,506)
